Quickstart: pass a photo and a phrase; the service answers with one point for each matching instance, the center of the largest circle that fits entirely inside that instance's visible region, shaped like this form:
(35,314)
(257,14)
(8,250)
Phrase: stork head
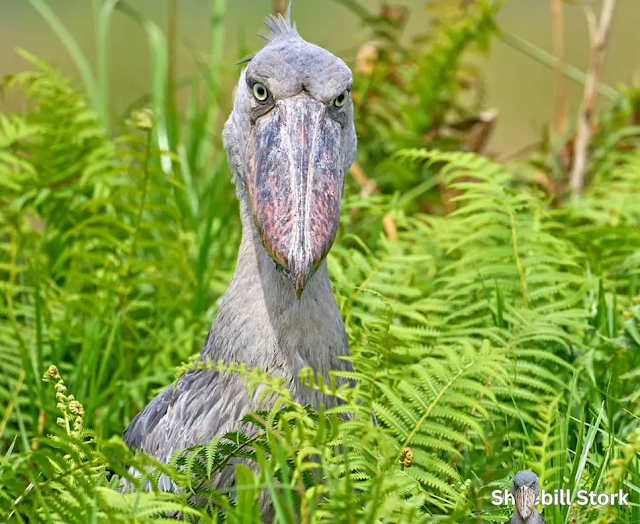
(525,490)
(290,141)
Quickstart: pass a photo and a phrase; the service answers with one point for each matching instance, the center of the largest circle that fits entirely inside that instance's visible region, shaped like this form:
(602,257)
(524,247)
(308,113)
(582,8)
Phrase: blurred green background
(519,87)
(478,268)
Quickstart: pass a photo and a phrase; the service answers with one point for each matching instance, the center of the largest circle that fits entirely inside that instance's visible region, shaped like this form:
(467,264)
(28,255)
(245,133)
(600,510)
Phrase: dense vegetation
(494,322)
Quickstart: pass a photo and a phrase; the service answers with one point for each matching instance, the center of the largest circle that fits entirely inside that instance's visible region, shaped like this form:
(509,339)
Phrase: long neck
(261,321)
(534,518)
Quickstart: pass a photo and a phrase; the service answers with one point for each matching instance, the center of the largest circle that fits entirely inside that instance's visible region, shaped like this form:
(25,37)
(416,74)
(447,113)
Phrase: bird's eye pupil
(341,99)
(260,92)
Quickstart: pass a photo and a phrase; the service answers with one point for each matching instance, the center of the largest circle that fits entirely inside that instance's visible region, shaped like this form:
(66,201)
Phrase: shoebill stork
(525,490)
(290,140)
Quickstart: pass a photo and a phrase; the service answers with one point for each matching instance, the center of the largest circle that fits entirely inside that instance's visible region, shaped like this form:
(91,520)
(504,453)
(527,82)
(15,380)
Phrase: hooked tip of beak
(300,278)
(296,267)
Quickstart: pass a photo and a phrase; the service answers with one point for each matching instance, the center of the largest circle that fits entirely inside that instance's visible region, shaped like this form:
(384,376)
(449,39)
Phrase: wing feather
(172,420)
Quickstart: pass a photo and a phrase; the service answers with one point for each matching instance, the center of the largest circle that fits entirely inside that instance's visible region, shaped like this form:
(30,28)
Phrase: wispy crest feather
(280,26)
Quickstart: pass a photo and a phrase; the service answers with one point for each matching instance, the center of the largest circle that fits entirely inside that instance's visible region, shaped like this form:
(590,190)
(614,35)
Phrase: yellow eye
(341,99)
(260,92)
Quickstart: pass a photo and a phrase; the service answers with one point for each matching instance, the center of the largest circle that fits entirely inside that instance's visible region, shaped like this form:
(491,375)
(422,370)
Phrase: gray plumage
(527,480)
(289,154)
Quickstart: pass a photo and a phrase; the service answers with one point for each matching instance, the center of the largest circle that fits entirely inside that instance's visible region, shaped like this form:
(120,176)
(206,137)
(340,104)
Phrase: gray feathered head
(291,140)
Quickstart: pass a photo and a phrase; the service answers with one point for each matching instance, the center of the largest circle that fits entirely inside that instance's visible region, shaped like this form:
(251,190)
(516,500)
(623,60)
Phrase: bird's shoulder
(153,415)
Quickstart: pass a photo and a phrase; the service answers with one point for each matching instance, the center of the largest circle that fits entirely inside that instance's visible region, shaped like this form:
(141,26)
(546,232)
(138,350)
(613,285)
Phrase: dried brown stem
(598,33)
(368,186)
(390,228)
(279,7)
(478,141)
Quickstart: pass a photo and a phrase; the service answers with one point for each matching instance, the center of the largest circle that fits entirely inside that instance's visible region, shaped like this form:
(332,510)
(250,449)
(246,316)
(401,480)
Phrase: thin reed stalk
(560,99)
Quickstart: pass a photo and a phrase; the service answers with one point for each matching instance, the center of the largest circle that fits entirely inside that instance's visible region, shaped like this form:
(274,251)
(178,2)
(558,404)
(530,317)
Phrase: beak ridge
(295,185)
(525,501)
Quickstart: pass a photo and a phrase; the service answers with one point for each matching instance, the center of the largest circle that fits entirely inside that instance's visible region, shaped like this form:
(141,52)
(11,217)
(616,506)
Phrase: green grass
(502,334)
